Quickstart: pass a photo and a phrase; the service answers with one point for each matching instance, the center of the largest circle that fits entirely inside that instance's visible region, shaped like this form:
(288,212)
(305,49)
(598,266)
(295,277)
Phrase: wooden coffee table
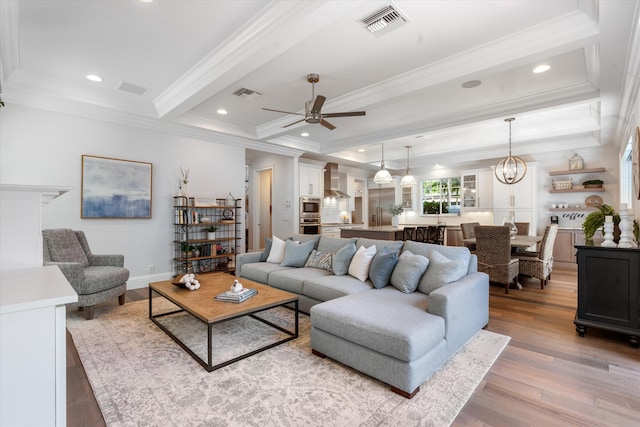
(202,305)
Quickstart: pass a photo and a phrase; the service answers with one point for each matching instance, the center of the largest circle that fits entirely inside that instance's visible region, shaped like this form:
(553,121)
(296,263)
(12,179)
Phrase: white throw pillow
(276,255)
(361,261)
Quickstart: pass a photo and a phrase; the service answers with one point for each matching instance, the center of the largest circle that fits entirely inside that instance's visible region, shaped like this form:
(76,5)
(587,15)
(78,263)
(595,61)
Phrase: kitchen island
(384,232)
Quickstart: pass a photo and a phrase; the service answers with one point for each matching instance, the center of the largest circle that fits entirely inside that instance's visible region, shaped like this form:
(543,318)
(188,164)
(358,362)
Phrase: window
(441,196)
(626,175)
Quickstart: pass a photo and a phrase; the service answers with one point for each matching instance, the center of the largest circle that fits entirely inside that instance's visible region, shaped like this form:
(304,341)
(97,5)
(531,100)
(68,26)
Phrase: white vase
(395,221)
(211,235)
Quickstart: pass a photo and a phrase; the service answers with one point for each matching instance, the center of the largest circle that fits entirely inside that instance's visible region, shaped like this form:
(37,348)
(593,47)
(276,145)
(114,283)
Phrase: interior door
(264,205)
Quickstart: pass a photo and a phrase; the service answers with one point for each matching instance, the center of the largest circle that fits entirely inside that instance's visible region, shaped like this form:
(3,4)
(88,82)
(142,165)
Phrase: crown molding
(279,26)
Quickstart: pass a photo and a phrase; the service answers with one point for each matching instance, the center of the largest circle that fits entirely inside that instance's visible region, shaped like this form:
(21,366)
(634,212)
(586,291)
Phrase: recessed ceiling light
(146,1)
(304,134)
(471,84)
(94,78)
(222,111)
(541,68)
(361,150)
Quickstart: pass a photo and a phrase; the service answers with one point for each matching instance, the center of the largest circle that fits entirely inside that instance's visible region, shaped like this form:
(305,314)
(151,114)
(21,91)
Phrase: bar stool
(408,233)
(421,234)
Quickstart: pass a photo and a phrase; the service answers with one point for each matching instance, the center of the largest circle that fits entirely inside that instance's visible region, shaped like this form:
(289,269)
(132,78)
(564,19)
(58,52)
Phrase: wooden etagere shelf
(194,251)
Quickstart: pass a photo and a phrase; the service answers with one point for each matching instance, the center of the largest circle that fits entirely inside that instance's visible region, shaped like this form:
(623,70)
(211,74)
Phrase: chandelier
(512,169)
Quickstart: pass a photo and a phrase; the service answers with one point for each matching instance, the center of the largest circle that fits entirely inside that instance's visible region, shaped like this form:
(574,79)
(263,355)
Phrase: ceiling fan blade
(285,112)
(291,124)
(353,113)
(327,124)
(317,105)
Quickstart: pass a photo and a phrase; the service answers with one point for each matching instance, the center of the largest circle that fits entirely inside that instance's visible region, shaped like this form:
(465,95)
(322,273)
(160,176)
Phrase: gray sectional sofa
(400,323)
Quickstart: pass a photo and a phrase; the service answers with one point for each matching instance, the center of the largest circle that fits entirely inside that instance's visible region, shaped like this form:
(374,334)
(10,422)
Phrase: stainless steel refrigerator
(379,201)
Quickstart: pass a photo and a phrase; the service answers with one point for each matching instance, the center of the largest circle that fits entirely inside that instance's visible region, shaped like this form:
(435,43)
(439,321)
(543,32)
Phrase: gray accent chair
(95,278)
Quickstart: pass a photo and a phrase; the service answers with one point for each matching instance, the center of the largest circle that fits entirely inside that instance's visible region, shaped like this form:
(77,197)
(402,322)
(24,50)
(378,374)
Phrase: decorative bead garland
(190,281)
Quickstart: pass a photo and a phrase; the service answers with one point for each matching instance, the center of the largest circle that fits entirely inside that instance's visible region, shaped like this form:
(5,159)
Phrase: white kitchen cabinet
(517,200)
(477,190)
(311,180)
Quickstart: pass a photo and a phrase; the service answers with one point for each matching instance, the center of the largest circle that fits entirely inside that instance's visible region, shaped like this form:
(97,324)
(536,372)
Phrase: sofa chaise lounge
(397,326)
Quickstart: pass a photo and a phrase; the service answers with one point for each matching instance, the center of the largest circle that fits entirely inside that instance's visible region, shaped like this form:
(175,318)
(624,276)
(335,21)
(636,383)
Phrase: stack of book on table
(244,294)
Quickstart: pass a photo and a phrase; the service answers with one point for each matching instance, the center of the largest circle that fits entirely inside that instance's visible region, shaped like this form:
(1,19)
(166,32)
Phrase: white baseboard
(140,282)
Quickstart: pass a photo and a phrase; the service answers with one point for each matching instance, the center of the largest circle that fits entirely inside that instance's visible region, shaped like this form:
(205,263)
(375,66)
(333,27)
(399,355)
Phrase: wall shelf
(576,171)
(582,209)
(579,190)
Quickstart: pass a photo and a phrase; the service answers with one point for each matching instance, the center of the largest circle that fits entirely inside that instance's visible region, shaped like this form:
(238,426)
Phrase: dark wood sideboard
(609,291)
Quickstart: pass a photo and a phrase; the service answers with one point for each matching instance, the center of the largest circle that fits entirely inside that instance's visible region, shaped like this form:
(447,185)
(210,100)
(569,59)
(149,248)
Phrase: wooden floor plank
(547,375)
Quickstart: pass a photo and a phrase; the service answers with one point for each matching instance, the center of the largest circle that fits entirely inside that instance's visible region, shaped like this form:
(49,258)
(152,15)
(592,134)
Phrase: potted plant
(595,220)
(395,210)
(211,232)
(187,249)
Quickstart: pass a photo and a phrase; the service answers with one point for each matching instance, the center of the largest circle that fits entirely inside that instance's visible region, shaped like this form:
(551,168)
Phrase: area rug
(141,377)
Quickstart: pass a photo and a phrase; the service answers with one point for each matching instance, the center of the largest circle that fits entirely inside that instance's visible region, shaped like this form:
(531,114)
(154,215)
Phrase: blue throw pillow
(408,271)
(267,249)
(296,254)
(382,267)
(342,259)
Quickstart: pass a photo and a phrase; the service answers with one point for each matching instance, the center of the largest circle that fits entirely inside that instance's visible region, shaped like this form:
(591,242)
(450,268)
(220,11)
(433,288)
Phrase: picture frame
(115,188)
(635,164)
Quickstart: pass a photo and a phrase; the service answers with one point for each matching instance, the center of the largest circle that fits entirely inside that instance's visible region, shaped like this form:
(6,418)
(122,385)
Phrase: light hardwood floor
(547,375)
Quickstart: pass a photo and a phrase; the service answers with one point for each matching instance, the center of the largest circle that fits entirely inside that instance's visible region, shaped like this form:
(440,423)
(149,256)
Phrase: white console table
(33,365)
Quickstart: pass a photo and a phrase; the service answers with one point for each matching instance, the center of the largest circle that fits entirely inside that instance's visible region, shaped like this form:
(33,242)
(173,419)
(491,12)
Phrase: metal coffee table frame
(208,364)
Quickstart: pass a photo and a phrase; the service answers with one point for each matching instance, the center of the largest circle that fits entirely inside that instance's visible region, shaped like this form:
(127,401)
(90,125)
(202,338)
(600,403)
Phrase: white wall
(284,207)
(43,148)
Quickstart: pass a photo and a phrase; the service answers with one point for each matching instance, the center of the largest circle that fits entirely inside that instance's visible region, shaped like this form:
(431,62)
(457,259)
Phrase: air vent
(131,88)
(384,20)
(247,93)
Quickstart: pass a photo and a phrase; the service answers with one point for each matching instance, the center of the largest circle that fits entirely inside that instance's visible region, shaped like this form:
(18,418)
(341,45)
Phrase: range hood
(332,182)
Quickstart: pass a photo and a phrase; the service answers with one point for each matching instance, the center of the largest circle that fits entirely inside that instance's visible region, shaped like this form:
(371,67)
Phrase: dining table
(517,242)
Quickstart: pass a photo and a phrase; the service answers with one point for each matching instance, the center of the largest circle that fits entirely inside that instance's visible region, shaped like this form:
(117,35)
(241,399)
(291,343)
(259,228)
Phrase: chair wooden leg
(88,312)
(506,288)
(542,283)
(121,299)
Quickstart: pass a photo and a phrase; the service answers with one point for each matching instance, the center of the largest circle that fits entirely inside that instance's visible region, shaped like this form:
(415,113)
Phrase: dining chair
(523,228)
(540,263)
(493,249)
(421,234)
(468,232)
(408,233)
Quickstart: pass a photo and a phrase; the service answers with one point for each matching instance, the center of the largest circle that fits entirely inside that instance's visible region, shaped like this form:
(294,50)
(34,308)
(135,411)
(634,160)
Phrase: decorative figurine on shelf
(230,200)
(608,232)
(626,236)
(182,183)
(576,162)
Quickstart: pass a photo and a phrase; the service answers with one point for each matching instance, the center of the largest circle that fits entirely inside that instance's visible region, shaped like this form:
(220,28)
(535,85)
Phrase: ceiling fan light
(382,177)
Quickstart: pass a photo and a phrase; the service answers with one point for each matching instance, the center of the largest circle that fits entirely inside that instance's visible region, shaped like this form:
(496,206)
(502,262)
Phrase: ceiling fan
(313,108)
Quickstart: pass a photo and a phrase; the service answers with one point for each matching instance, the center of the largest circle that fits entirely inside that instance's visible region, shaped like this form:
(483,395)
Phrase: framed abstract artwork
(115,188)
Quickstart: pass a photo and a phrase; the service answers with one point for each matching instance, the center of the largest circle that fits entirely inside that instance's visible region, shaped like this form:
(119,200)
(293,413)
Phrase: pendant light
(408,180)
(382,176)
(510,170)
